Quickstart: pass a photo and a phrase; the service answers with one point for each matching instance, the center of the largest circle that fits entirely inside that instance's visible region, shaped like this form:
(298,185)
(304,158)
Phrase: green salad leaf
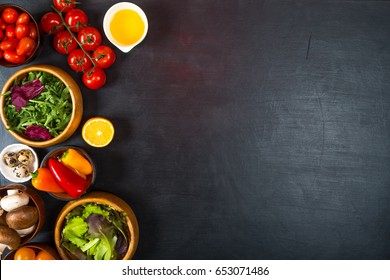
(95,231)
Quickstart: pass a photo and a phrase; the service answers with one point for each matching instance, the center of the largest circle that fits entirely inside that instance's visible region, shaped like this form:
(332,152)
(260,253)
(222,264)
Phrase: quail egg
(21,171)
(10,159)
(25,156)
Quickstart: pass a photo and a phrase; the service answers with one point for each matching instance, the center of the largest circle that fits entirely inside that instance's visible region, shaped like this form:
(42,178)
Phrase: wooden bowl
(36,246)
(57,153)
(35,200)
(103,198)
(76,97)
(20,10)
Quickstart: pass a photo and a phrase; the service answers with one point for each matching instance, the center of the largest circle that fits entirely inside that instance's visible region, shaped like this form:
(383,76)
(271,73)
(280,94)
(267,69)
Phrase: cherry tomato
(51,23)
(21,31)
(64,43)
(9,15)
(12,57)
(24,253)
(64,5)
(3,25)
(89,37)
(43,255)
(103,56)
(33,31)
(9,44)
(25,46)
(76,19)
(94,78)
(1,54)
(10,31)
(79,61)
(1,34)
(23,18)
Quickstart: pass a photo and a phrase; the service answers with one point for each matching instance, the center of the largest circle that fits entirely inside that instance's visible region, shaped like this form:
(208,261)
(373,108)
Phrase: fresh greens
(95,231)
(50,109)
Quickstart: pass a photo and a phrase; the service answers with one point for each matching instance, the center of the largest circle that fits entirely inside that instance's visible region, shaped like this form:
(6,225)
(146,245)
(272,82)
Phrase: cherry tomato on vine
(51,23)
(13,57)
(64,5)
(64,43)
(89,37)
(79,61)
(9,15)
(24,253)
(103,56)
(26,46)
(94,78)
(21,31)
(76,19)
(23,18)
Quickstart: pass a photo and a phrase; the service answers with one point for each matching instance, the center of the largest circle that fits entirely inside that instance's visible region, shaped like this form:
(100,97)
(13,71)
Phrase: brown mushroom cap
(9,237)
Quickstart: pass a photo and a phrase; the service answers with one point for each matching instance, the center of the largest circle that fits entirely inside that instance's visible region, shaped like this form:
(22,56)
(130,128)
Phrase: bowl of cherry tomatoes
(19,36)
(34,251)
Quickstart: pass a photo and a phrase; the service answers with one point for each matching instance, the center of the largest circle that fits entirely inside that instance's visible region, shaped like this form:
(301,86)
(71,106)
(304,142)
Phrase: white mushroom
(14,199)
(26,231)
(9,238)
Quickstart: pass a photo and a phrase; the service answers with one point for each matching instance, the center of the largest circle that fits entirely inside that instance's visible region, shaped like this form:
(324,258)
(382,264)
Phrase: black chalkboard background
(245,129)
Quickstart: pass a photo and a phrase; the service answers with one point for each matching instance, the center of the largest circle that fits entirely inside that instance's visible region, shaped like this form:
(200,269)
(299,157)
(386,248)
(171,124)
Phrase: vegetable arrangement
(79,41)
(18,36)
(95,231)
(39,106)
(67,173)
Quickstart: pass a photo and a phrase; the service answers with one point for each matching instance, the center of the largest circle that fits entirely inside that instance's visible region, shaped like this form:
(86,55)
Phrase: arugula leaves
(50,109)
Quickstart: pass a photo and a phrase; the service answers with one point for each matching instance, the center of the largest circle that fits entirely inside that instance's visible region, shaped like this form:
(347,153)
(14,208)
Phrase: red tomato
(94,78)
(3,25)
(79,61)
(13,57)
(9,44)
(51,23)
(76,19)
(33,31)
(21,31)
(23,18)
(103,56)
(1,34)
(10,31)
(89,37)
(1,54)
(25,46)
(64,5)
(64,43)
(9,15)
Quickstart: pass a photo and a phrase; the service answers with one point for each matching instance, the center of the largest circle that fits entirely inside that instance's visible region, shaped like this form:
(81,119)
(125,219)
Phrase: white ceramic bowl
(109,15)
(8,172)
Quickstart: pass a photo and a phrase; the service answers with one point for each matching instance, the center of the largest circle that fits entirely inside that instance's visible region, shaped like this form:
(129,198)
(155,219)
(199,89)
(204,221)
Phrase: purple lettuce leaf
(36,132)
(21,94)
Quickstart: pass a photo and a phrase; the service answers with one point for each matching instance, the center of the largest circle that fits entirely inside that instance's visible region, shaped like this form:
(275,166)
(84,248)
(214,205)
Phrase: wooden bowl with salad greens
(98,226)
(41,105)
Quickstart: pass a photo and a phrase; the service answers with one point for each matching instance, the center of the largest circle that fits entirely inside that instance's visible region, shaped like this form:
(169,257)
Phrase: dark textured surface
(247,129)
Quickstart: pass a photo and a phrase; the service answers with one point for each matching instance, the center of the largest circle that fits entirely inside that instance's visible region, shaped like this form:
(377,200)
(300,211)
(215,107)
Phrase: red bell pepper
(69,181)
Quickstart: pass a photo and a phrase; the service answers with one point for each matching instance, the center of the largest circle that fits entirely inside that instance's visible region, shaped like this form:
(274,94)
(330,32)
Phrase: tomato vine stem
(73,35)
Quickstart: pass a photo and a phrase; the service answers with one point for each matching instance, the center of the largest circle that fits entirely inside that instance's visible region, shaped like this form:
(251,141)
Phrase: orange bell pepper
(43,180)
(74,159)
